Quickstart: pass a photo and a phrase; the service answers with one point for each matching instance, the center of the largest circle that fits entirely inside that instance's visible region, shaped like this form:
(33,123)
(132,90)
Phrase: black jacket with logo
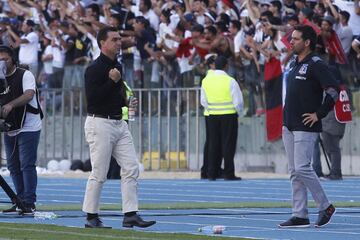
(306,83)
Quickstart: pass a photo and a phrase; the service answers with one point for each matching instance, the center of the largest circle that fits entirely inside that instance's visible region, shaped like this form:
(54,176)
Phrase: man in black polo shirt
(107,134)
(309,78)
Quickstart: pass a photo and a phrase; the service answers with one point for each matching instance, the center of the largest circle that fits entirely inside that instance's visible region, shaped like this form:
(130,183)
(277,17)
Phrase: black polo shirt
(305,92)
(104,96)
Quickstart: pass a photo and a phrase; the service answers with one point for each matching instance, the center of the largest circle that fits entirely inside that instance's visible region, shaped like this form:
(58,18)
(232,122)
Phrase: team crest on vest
(303,69)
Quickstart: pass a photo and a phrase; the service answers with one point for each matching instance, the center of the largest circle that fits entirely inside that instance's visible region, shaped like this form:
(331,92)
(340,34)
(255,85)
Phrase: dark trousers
(332,148)
(21,152)
(204,167)
(223,130)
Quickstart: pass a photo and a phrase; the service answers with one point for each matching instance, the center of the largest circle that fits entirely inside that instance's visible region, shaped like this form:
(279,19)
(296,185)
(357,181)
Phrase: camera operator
(22,113)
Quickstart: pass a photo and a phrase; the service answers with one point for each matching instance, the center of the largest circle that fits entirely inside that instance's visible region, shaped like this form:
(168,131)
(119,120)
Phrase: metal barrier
(166,129)
(161,129)
(169,133)
(62,135)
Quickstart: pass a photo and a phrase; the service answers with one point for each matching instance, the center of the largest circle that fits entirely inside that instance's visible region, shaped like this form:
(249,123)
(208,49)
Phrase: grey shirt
(345,35)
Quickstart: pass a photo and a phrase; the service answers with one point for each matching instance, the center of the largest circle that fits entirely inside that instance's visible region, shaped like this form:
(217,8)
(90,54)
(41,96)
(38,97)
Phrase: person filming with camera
(22,116)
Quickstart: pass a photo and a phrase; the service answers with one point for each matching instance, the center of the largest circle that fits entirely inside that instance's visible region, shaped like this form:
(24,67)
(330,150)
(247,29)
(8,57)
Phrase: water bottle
(131,111)
(44,215)
(216,229)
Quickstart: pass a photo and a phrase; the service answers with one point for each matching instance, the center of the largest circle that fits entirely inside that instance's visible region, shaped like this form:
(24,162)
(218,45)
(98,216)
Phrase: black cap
(220,62)
(30,23)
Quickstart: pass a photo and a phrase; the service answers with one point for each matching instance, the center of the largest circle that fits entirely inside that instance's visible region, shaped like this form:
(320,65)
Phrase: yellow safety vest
(125,110)
(217,90)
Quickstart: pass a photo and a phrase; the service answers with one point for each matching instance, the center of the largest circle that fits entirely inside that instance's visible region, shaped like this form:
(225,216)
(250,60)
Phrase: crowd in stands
(165,44)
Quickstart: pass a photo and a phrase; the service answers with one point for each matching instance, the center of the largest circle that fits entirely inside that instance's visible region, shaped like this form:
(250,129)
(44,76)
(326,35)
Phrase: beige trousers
(108,138)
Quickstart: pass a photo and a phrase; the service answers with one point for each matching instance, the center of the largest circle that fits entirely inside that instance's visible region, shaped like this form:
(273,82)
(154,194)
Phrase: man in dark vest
(22,113)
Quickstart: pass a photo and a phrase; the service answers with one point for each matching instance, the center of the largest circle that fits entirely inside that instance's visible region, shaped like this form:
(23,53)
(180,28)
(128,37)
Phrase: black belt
(112,117)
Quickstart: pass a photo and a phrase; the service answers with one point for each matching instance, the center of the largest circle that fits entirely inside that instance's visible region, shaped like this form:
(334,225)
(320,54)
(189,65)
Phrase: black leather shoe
(295,222)
(95,223)
(232,178)
(136,221)
(325,216)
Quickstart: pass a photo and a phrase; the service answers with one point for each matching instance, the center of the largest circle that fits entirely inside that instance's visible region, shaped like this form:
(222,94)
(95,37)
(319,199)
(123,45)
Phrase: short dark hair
(236,24)
(95,8)
(9,51)
(197,28)
(166,13)
(30,23)
(142,20)
(345,14)
(267,14)
(277,4)
(103,34)
(181,26)
(222,26)
(148,4)
(225,18)
(307,33)
(220,62)
(212,30)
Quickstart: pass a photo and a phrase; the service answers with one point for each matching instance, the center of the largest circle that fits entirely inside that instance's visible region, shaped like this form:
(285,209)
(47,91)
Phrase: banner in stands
(273,95)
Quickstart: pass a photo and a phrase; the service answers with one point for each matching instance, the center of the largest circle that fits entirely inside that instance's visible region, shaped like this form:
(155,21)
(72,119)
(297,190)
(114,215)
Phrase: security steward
(222,98)
(308,80)
(108,134)
(210,62)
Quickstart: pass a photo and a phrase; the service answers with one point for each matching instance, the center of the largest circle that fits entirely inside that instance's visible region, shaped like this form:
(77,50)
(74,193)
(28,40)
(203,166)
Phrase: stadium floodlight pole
(325,154)
(13,197)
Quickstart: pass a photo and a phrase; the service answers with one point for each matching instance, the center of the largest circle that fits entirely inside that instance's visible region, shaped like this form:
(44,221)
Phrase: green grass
(44,232)
(191,205)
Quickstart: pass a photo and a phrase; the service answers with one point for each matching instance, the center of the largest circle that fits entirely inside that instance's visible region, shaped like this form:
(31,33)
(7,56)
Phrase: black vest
(16,117)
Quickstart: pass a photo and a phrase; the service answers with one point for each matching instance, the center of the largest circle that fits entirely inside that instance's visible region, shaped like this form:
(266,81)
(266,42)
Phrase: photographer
(22,114)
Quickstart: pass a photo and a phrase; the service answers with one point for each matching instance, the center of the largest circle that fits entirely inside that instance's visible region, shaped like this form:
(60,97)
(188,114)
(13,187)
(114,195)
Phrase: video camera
(4,91)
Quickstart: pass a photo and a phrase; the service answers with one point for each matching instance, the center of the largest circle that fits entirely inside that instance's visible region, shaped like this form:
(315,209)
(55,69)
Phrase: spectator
(47,59)
(344,31)
(275,8)
(356,46)
(28,42)
(210,18)
(146,11)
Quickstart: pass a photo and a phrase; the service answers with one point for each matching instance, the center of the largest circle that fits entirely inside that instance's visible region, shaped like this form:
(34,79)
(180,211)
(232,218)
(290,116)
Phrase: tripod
(325,154)
(7,189)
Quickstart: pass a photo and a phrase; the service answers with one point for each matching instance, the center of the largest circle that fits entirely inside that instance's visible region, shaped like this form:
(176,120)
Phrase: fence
(158,147)
(169,133)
